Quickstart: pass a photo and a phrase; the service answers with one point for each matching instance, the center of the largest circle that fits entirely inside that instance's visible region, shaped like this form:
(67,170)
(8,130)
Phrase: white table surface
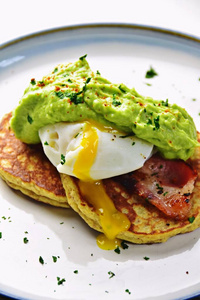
(22,17)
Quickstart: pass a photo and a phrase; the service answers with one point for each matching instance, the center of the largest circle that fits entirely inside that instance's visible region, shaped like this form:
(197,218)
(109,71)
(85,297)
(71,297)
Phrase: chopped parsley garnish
(151,73)
(191,219)
(117,250)
(88,80)
(146,258)
(75,271)
(149,122)
(30,120)
(76,135)
(62,159)
(82,57)
(33,82)
(0,235)
(156,122)
(60,281)
(121,89)
(115,101)
(55,258)
(46,143)
(98,73)
(127,291)
(72,95)
(60,94)
(111,274)
(165,103)
(124,245)
(69,80)
(41,260)
(26,240)
(55,70)
(160,188)
(133,143)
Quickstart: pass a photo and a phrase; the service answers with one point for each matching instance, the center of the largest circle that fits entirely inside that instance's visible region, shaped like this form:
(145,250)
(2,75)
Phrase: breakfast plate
(50,253)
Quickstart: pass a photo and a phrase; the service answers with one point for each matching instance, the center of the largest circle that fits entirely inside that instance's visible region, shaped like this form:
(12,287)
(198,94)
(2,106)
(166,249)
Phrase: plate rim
(133,26)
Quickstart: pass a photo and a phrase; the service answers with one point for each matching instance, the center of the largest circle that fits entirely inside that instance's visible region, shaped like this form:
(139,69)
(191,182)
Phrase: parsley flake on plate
(151,73)
(60,281)
(111,274)
(26,240)
(41,260)
(146,258)
(127,291)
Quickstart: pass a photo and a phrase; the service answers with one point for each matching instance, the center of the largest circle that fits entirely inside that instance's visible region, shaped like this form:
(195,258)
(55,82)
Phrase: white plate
(122,53)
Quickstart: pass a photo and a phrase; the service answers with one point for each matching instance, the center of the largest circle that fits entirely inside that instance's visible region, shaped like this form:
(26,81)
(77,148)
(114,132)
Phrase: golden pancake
(148,224)
(26,168)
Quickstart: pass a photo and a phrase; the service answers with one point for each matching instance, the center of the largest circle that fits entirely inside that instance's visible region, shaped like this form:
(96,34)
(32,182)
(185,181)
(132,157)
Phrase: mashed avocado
(72,93)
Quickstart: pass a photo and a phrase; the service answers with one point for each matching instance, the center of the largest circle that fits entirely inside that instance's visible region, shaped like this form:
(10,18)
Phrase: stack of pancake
(26,168)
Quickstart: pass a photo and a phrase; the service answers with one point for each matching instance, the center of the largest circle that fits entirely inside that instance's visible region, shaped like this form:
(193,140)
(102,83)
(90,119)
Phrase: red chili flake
(40,84)
(57,88)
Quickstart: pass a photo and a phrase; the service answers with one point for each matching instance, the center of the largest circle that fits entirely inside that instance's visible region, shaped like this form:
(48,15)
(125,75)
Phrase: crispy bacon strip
(167,184)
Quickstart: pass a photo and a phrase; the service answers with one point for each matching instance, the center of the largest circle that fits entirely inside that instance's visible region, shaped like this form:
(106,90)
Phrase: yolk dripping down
(88,153)
(112,221)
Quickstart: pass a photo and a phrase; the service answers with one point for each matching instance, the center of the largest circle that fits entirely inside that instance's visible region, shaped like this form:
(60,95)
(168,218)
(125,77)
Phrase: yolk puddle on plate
(112,221)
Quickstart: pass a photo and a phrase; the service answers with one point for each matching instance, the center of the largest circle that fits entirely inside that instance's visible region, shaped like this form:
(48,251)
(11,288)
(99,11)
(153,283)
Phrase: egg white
(115,155)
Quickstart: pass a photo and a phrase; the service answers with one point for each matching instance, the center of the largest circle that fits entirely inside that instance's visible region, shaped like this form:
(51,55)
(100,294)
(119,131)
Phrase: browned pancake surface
(26,168)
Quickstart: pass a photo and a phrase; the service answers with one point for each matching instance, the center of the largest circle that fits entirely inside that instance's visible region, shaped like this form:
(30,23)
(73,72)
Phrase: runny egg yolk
(87,155)
(112,221)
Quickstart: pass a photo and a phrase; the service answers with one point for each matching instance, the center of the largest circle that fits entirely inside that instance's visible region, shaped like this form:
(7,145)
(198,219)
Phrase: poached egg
(92,152)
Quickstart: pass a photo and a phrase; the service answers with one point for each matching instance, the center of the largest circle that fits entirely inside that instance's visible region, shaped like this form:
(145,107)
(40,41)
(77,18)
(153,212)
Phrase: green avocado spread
(73,93)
